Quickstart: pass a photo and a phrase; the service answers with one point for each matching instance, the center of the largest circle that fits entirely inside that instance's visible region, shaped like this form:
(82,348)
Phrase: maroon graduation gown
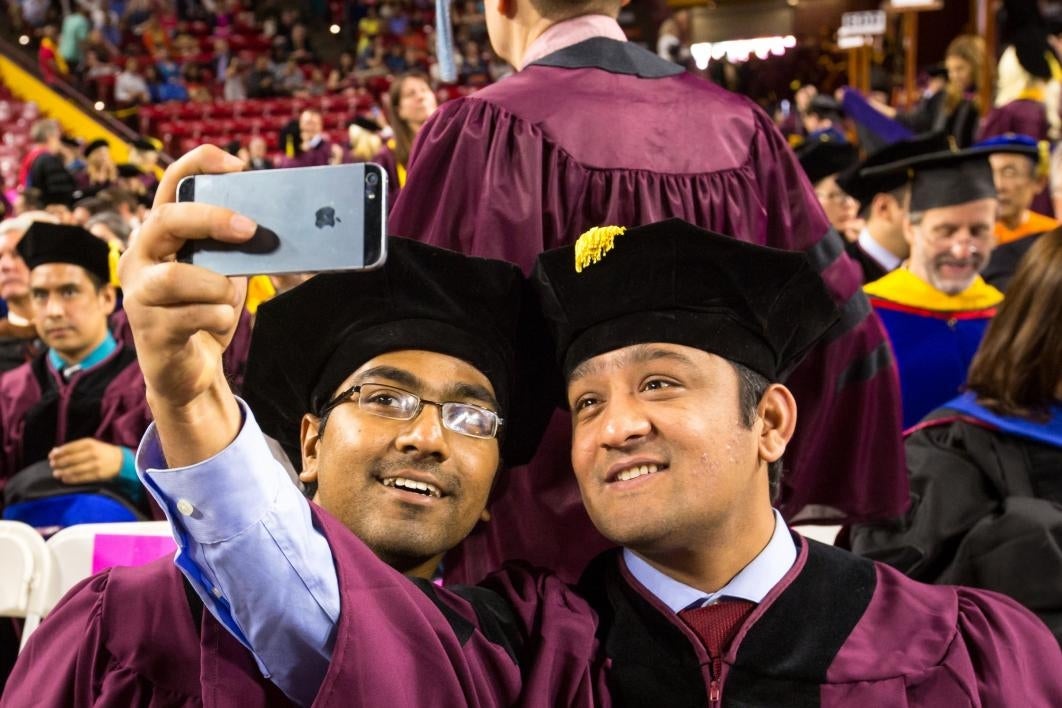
(131,637)
(38,410)
(604,132)
(838,630)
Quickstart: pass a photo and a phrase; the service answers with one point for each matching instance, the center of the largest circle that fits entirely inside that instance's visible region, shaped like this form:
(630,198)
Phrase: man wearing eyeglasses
(390,387)
(936,306)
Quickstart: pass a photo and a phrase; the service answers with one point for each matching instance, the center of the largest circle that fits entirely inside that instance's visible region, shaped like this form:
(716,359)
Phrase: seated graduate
(679,426)
(823,159)
(393,387)
(936,307)
(72,415)
(17,333)
(986,489)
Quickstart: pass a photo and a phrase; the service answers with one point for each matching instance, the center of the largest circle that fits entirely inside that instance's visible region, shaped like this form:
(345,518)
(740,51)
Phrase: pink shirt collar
(569,32)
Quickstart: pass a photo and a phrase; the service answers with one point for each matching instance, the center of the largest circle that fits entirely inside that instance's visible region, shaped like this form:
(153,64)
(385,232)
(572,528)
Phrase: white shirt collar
(752,583)
(568,32)
(885,258)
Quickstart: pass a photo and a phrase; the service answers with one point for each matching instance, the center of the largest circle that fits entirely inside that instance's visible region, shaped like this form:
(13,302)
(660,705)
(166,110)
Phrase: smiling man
(679,427)
(79,405)
(936,306)
(394,391)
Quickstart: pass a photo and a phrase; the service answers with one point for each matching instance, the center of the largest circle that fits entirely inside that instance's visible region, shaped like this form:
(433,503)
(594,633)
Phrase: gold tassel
(592,246)
(1043,165)
(113,256)
(1056,68)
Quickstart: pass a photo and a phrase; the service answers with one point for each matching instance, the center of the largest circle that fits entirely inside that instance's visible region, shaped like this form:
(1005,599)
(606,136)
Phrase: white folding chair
(28,573)
(77,553)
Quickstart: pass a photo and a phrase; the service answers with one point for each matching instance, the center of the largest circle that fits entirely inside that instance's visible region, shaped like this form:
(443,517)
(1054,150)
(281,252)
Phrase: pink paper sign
(110,550)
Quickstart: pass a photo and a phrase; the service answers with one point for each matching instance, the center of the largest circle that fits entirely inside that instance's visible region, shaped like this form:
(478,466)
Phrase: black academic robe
(972,521)
(872,270)
(1005,260)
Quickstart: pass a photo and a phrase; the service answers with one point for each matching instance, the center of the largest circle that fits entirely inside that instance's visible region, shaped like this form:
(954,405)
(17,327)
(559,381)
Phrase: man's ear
(309,437)
(109,298)
(778,412)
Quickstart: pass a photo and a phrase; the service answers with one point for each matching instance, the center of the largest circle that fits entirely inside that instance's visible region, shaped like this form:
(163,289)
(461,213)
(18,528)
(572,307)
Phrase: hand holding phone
(310,219)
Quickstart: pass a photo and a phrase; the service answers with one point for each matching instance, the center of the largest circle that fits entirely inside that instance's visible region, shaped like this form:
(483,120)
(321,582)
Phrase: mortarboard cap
(307,341)
(70,141)
(945,178)
(825,106)
(365,123)
(864,188)
(937,71)
(760,307)
(144,145)
(94,146)
(63,243)
(128,170)
(823,157)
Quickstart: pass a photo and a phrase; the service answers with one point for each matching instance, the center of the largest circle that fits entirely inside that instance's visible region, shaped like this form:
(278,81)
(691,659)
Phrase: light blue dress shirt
(244,531)
(752,582)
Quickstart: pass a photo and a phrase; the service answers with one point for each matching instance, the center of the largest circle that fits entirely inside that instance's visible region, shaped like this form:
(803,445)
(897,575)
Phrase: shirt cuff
(221,497)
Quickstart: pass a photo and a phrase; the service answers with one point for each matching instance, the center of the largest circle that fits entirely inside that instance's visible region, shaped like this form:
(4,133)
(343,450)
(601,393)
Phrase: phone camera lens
(372,179)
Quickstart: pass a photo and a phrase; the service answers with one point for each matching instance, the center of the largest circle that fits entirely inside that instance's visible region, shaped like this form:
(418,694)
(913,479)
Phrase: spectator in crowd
(100,171)
(1028,97)
(823,158)
(474,70)
(72,37)
(80,406)
(50,61)
(823,118)
(316,148)
(44,168)
(1020,170)
(673,38)
(130,87)
(369,28)
(539,176)
(953,108)
(109,228)
(881,188)
(411,102)
(144,155)
(937,308)
(300,49)
(342,76)
(985,494)
(257,154)
(17,333)
(290,80)
(262,81)
(365,141)
(221,59)
(234,81)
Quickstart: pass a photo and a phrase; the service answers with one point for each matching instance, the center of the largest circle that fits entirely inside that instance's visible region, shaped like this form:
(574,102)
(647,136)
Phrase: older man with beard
(936,306)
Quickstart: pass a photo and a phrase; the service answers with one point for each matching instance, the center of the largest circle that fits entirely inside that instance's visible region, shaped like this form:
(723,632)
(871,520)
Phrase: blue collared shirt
(244,531)
(752,583)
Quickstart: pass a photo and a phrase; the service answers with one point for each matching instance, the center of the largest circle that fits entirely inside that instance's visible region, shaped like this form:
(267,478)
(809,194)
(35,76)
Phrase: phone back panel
(319,215)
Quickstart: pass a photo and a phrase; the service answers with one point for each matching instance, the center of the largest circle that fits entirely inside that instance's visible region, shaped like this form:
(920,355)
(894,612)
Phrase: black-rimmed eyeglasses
(397,404)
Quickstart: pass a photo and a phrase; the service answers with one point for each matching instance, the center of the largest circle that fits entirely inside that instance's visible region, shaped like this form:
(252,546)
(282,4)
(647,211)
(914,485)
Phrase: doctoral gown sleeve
(950,493)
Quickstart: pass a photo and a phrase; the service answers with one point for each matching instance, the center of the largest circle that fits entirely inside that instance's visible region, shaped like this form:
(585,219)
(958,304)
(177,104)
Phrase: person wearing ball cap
(936,306)
(80,405)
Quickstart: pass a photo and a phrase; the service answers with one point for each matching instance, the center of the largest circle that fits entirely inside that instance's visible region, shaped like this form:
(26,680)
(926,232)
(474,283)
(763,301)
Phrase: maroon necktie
(715,624)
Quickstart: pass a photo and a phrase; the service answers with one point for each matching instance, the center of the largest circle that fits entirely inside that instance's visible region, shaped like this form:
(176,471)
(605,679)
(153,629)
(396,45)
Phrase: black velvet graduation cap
(945,178)
(307,341)
(824,157)
(673,282)
(62,243)
(863,187)
(128,170)
(95,145)
(144,145)
(826,107)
